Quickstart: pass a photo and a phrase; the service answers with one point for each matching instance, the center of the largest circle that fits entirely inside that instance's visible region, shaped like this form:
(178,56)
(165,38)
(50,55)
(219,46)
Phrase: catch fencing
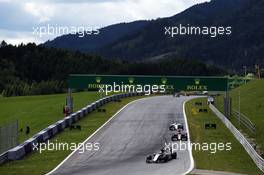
(20,151)
(8,136)
(245,121)
(259,161)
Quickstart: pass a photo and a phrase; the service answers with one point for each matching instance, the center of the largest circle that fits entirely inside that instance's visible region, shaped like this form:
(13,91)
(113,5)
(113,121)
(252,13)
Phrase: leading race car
(180,136)
(176,127)
(163,156)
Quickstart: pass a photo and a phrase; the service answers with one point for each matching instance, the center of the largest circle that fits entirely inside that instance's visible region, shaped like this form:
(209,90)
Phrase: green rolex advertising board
(186,83)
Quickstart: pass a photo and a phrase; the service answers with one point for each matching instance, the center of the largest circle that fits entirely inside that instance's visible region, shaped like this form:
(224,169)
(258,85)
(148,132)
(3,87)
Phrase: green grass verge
(37,163)
(252,105)
(38,112)
(237,160)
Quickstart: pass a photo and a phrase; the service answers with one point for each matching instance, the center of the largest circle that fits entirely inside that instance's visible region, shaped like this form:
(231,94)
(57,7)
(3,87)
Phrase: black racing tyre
(166,158)
(174,155)
(172,128)
(173,138)
(148,159)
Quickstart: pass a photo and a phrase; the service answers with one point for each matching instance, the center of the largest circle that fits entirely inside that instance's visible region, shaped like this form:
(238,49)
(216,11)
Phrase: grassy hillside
(38,112)
(41,163)
(252,105)
(236,160)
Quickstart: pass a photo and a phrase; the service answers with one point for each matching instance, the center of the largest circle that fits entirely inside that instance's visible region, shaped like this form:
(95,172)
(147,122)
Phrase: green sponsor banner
(186,83)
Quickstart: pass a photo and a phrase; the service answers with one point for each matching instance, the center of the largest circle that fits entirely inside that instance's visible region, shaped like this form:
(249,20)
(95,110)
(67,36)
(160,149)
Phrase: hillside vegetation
(252,105)
(38,112)
(37,163)
(235,160)
(32,70)
(243,47)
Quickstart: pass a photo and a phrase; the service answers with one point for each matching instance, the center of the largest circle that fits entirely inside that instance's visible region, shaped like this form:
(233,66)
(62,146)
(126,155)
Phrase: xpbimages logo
(212,148)
(212,31)
(50,30)
(124,88)
(59,146)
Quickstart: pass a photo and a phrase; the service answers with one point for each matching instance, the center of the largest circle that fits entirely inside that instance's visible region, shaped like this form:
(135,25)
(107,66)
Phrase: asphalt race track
(138,130)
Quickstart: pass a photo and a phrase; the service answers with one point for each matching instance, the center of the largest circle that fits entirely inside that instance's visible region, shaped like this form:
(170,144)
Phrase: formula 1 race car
(176,127)
(163,156)
(180,136)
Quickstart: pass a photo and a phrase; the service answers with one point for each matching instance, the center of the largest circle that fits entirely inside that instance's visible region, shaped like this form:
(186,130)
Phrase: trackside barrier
(17,153)
(259,161)
(3,157)
(21,150)
(52,130)
(90,109)
(85,112)
(42,136)
(29,144)
(61,125)
(245,121)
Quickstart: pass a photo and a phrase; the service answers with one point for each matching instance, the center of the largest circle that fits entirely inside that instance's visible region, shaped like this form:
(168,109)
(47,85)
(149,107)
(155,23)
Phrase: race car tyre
(148,159)
(174,138)
(172,128)
(174,155)
(166,158)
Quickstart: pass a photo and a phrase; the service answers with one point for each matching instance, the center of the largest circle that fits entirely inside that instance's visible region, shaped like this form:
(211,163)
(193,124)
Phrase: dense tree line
(31,69)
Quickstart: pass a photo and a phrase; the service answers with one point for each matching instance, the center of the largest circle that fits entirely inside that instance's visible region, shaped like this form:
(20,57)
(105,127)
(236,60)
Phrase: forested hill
(243,47)
(30,69)
(91,43)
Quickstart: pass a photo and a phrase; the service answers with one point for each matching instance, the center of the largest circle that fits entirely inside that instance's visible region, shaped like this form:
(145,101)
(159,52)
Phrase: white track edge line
(189,142)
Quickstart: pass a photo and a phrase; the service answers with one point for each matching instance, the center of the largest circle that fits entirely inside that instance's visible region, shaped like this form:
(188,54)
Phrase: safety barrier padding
(108,99)
(68,121)
(42,136)
(85,111)
(97,104)
(100,102)
(80,114)
(61,125)
(16,153)
(39,137)
(52,130)
(104,101)
(29,144)
(89,108)
(3,157)
(93,106)
(21,150)
(74,117)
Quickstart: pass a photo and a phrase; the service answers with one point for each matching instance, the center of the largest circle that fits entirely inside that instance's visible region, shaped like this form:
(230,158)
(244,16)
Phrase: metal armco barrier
(23,149)
(259,161)
(245,121)
(8,136)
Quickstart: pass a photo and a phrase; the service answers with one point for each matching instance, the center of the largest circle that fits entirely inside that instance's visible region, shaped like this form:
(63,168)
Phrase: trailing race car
(163,156)
(180,136)
(176,127)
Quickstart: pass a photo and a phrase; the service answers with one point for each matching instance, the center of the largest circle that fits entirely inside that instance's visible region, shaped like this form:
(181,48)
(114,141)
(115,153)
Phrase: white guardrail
(23,149)
(244,120)
(259,161)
